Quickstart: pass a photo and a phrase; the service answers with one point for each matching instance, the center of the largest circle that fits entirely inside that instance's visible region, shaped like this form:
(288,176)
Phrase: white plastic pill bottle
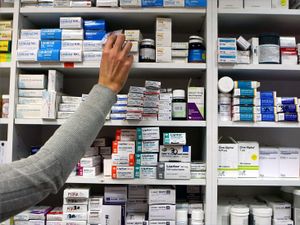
(239,215)
(262,216)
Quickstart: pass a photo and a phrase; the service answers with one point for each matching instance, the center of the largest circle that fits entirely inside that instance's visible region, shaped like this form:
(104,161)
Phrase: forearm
(28,181)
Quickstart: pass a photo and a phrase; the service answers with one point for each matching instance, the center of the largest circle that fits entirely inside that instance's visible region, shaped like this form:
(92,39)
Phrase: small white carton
(162,212)
(289,162)
(248,159)
(269,162)
(161,195)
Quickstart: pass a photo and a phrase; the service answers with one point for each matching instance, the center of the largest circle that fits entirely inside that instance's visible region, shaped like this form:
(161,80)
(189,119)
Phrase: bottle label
(179,110)
(147,54)
(197,55)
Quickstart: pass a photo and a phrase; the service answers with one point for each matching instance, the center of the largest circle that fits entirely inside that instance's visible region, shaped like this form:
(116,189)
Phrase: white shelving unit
(103,180)
(211,22)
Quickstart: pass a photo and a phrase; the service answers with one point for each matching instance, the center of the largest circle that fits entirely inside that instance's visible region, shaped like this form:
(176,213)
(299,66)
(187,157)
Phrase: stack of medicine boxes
(113,210)
(151,100)
(287,109)
(174,153)
(75,208)
(227,50)
(95,208)
(162,205)
(165,105)
(135,103)
(34,215)
(137,205)
(5,40)
(68,106)
(135,37)
(35,101)
(147,148)
(55,216)
(163,40)
(119,109)
(94,32)
(251,105)
(180,52)
(90,164)
(123,154)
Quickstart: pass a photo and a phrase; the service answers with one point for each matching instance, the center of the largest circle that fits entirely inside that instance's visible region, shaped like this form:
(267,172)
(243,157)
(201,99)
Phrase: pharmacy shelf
(120,18)
(118,123)
(102,180)
(259,182)
(243,19)
(139,69)
(6,65)
(3,121)
(259,124)
(4,11)
(266,71)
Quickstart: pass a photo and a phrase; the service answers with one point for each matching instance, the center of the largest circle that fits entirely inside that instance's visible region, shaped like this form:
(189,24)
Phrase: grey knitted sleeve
(26,182)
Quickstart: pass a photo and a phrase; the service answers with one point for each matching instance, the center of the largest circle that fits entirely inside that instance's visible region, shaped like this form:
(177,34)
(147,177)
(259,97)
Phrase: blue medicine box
(94,34)
(51,34)
(195,3)
(152,3)
(50,44)
(48,55)
(94,25)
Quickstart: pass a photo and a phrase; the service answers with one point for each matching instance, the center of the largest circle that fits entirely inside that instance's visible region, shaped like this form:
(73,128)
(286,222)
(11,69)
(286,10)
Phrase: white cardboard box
(248,159)
(161,195)
(231,4)
(55,81)
(269,162)
(50,102)
(111,215)
(289,162)
(228,159)
(162,212)
(29,111)
(261,4)
(115,194)
(34,81)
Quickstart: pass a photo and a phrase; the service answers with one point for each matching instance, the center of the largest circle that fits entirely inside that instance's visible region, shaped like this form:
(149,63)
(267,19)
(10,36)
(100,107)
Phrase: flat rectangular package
(115,194)
(50,102)
(145,172)
(27,55)
(77,193)
(174,171)
(28,44)
(289,162)
(131,3)
(72,34)
(261,4)
(231,4)
(228,160)
(34,81)
(70,22)
(148,133)
(175,153)
(196,101)
(70,55)
(174,139)
(173,3)
(248,159)
(71,45)
(269,162)
(122,147)
(150,146)
(122,172)
(146,159)
(92,45)
(55,81)
(161,195)
(162,212)
(123,159)
(111,215)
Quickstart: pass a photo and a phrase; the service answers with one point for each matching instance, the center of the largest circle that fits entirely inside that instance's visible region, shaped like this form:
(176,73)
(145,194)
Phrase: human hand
(116,63)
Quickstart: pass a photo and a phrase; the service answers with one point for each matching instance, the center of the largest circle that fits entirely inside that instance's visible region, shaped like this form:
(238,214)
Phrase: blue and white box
(48,55)
(51,34)
(95,25)
(50,44)
(94,34)
(195,3)
(152,3)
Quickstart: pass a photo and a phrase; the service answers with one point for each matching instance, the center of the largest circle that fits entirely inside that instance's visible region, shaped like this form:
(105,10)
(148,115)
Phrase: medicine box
(48,55)
(94,34)
(289,162)
(163,38)
(163,54)
(77,193)
(75,216)
(133,35)
(126,135)
(115,194)
(173,3)
(152,3)
(196,103)
(123,159)
(107,167)
(248,159)
(67,222)
(174,171)
(92,45)
(228,159)
(130,3)
(95,25)
(72,34)
(26,100)
(231,4)
(5,35)
(28,44)
(96,203)
(195,3)
(30,93)
(269,162)
(122,172)
(145,172)
(137,192)
(55,81)
(70,55)
(64,115)
(51,34)
(111,215)
(162,222)
(70,22)
(147,146)
(90,161)
(71,45)
(281,210)
(50,102)
(94,217)
(75,208)
(123,147)
(68,107)
(79,201)
(174,139)
(34,81)
(175,153)
(27,55)
(146,159)
(50,44)
(161,195)
(260,4)
(137,222)
(30,34)
(148,133)
(162,212)
(92,56)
